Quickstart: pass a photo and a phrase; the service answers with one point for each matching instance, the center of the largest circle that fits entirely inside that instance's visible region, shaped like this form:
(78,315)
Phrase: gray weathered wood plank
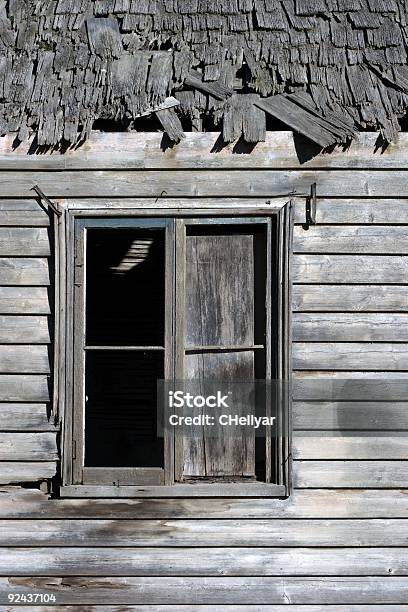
(351,327)
(350,385)
(208,533)
(351,298)
(21,218)
(24,271)
(236,182)
(23,388)
(36,446)
(24,329)
(25,417)
(206,590)
(349,356)
(344,416)
(352,474)
(204,562)
(353,239)
(24,358)
(24,241)
(12,472)
(18,503)
(346,269)
(24,300)
(324,445)
(357,211)
(143,150)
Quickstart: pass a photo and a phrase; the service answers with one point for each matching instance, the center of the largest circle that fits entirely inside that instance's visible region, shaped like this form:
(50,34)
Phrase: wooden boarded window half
(175,298)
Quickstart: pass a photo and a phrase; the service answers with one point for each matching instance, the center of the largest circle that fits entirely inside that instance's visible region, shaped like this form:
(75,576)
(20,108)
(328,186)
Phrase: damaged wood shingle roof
(323,67)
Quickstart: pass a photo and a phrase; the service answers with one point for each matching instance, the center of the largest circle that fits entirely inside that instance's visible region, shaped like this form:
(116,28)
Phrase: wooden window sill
(177,490)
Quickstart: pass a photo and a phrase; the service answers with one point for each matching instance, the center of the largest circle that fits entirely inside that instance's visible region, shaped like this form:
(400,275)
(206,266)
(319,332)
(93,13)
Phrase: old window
(174,298)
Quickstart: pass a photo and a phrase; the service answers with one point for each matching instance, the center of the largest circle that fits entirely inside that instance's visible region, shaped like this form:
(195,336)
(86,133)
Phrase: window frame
(73,262)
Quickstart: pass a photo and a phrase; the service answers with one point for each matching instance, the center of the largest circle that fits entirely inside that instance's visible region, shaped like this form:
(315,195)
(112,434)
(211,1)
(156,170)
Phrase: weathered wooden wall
(341,539)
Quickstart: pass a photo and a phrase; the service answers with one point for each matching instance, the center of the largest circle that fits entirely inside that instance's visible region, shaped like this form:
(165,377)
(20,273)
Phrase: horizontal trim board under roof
(137,150)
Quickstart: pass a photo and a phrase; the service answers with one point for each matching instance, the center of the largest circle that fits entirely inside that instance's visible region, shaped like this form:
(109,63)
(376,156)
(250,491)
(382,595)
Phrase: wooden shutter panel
(220,306)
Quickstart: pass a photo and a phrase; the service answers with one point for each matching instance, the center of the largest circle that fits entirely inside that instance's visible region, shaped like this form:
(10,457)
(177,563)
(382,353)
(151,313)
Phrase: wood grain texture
(350,385)
(24,358)
(324,445)
(20,218)
(18,471)
(24,241)
(144,150)
(18,503)
(229,590)
(351,239)
(23,388)
(351,327)
(236,182)
(146,562)
(25,417)
(350,356)
(357,211)
(345,416)
(24,271)
(28,446)
(350,298)
(346,269)
(24,300)
(24,329)
(203,533)
(353,474)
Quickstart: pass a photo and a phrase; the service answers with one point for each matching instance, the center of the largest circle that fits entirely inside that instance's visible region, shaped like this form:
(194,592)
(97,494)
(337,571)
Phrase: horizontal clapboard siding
(350,298)
(210,183)
(220,562)
(354,474)
(350,239)
(206,590)
(325,503)
(349,356)
(209,533)
(25,417)
(340,539)
(351,416)
(352,327)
